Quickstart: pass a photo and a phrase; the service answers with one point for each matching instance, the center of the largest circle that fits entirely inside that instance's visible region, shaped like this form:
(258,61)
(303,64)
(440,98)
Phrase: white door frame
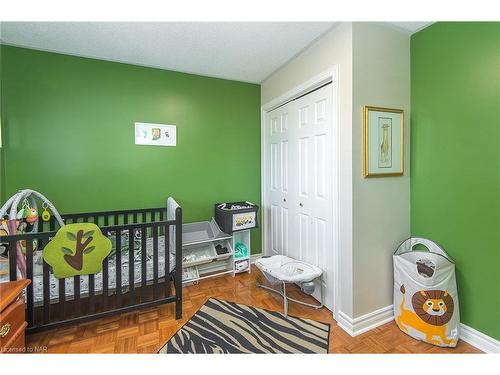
(330,75)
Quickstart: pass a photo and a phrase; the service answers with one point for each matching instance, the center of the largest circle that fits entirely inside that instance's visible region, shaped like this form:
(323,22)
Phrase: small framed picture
(383,142)
(155,134)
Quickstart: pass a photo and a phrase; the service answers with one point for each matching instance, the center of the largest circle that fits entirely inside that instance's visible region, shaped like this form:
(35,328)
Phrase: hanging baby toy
(23,221)
(45,213)
(27,217)
(76,249)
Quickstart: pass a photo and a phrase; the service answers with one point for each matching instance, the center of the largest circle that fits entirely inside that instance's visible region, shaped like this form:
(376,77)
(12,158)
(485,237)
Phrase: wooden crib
(152,268)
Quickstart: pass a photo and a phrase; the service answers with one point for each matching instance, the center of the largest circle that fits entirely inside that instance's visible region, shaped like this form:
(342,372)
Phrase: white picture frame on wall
(148,134)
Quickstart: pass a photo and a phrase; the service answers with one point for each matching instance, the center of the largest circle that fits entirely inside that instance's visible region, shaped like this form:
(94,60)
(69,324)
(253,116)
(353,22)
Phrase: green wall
(69,133)
(455,158)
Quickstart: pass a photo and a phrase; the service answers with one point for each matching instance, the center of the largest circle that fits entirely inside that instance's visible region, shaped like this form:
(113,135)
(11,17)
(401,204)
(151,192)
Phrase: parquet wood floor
(146,331)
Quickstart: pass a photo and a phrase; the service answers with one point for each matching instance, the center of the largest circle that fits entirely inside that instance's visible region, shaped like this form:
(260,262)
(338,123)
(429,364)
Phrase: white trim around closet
(365,323)
(310,85)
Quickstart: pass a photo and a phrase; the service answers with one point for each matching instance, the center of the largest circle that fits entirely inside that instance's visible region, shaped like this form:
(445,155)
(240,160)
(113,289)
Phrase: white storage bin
(200,254)
(241,265)
(190,273)
(227,245)
(425,293)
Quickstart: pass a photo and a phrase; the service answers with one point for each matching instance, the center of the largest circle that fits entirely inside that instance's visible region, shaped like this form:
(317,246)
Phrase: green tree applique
(77,249)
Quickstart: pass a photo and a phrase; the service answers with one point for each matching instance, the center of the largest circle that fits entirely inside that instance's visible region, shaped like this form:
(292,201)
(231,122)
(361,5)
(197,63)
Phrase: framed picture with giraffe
(383,142)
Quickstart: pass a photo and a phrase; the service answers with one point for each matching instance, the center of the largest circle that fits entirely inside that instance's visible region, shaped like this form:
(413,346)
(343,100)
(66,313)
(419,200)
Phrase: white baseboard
(367,322)
(478,339)
(254,257)
(345,322)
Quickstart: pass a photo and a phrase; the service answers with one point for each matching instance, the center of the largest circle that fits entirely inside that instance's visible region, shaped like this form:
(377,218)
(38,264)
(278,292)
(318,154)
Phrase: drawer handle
(4,331)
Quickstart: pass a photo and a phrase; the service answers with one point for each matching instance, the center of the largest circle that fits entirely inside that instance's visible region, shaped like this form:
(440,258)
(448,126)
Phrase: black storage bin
(231,218)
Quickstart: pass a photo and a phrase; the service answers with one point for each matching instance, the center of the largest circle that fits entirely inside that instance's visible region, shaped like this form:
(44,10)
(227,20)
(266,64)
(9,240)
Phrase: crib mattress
(98,279)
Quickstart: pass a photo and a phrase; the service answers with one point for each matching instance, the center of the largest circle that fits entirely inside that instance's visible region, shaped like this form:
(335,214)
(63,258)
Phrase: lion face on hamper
(433,306)
(433,310)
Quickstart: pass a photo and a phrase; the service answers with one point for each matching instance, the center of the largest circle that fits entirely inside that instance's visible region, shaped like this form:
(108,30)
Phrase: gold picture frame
(383,142)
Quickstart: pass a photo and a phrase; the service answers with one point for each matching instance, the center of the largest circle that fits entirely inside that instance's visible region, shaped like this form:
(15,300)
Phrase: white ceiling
(242,51)
(412,27)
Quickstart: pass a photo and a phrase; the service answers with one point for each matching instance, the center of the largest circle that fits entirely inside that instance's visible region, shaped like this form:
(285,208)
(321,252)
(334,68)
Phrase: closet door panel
(274,166)
(320,240)
(285,231)
(320,167)
(284,167)
(303,243)
(314,199)
(278,177)
(275,229)
(303,148)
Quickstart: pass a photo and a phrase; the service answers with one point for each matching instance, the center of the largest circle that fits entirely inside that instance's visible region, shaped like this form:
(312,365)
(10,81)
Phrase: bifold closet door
(299,184)
(313,212)
(277,169)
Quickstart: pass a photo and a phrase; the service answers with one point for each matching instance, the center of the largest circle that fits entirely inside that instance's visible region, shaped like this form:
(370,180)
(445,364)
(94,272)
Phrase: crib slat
(155,262)
(46,292)
(106,220)
(115,222)
(143,216)
(105,276)
(125,218)
(143,264)
(118,268)
(91,294)
(96,220)
(29,275)
(161,219)
(178,263)
(131,266)
(135,217)
(76,294)
(62,299)
(167,259)
(12,261)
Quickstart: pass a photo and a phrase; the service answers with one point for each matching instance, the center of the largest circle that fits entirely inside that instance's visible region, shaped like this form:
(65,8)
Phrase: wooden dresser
(12,316)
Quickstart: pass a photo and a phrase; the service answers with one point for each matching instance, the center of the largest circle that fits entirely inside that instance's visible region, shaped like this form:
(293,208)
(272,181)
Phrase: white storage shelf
(199,255)
(202,261)
(241,264)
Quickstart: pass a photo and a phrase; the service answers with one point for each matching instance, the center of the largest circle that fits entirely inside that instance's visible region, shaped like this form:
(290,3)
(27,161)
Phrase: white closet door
(313,222)
(299,182)
(278,156)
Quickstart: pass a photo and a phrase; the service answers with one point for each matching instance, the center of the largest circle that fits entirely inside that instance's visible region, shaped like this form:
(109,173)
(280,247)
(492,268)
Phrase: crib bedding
(98,282)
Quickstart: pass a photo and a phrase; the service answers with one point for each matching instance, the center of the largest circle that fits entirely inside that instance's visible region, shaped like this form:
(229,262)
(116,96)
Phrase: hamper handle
(408,245)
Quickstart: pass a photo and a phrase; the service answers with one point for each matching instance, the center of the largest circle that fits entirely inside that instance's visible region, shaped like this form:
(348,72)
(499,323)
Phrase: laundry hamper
(425,293)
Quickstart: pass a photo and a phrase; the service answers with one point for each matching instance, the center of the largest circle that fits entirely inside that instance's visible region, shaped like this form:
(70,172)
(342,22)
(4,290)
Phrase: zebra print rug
(227,327)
